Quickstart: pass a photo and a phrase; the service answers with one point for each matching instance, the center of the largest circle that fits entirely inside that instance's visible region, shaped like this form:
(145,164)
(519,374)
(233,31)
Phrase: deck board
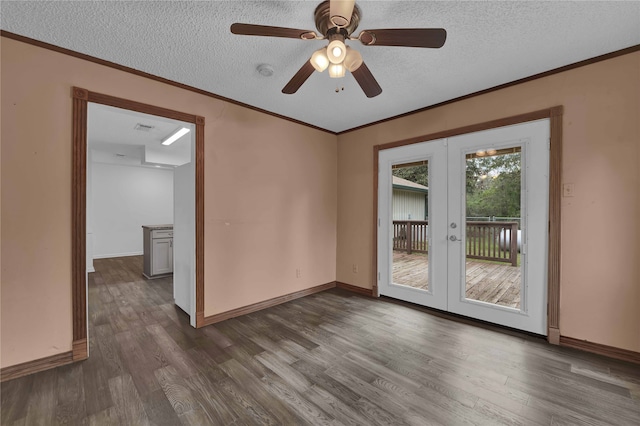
(492,282)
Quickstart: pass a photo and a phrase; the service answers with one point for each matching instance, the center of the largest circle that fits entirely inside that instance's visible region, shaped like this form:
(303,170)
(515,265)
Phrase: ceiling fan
(336,20)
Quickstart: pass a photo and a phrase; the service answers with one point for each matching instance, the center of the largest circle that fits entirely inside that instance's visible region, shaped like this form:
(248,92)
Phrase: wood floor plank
(292,377)
(318,376)
(334,407)
(197,416)
(13,399)
(108,346)
(383,404)
(159,410)
(106,417)
(127,403)
(95,380)
(173,353)
(246,407)
(258,390)
(70,408)
(136,361)
(333,357)
(43,399)
(504,416)
(300,405)
(176,390)
(206,392)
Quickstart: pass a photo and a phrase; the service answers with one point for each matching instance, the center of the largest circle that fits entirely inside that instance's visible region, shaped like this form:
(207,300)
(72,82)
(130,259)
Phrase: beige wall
(276,192)
(270,197)
(600,278)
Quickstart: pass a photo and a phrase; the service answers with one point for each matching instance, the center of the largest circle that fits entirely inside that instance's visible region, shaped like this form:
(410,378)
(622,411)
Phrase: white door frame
(555,114)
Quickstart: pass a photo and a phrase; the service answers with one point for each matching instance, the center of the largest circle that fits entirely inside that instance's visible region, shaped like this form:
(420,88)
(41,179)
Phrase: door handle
(454,238)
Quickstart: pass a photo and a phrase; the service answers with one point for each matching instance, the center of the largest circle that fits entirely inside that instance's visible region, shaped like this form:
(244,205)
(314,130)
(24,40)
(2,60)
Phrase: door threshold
(467,320)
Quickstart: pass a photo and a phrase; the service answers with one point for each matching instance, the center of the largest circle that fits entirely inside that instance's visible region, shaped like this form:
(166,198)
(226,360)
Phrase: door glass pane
(493,226)
(410,204)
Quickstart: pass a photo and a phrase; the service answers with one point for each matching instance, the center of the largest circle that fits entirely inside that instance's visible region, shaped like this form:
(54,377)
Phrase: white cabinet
(158,251)
(161,256)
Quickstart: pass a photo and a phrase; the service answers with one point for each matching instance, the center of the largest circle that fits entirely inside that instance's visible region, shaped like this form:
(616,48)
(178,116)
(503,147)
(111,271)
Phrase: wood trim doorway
(554,114)
(81,98)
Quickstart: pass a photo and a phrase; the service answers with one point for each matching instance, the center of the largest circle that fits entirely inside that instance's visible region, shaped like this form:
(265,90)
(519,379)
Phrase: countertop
(157,227)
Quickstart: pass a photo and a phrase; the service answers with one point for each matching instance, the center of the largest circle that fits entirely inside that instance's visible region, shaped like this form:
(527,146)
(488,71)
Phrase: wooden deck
(490,282)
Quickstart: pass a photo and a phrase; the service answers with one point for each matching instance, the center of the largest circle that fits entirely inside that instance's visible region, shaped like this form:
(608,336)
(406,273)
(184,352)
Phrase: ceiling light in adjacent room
(175,136)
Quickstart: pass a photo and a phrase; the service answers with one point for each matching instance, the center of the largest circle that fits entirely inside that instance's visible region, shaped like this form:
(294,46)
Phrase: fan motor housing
(323,21)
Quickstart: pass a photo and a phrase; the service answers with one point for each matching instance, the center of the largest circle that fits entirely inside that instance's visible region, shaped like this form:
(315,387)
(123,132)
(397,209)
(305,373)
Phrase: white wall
(125,198)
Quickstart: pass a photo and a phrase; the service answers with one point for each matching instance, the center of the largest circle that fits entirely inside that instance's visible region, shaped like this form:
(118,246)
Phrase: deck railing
(497,241)
(411,235)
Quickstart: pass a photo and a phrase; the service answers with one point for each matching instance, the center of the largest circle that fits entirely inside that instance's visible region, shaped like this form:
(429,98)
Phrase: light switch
(568,189)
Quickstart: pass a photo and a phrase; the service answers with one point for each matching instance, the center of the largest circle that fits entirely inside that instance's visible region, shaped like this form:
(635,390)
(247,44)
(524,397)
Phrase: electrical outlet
(355,268)
(568,189)
(298,273)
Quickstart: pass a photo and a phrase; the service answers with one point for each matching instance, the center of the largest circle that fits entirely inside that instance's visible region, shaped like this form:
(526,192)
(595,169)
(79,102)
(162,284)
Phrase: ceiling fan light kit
(352,60)
(320,60)
(337,20)
(336,51)
(336,71)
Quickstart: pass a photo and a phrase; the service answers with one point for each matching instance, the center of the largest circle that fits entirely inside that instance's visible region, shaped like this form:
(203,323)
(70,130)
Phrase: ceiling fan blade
(298,80)
(410,37)
(367,81)
(340,12)
(268,31)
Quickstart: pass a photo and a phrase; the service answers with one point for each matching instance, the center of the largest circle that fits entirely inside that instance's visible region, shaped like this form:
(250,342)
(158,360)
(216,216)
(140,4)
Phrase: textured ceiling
(488,44)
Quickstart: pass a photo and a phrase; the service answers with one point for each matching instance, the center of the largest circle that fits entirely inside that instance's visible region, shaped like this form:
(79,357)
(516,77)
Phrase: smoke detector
(265,70)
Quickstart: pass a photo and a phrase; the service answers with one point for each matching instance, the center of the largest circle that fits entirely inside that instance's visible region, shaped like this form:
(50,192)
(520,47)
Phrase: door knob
(454,238)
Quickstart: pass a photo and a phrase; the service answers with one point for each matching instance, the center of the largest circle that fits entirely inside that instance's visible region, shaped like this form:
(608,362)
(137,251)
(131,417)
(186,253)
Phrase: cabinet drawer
(162,233)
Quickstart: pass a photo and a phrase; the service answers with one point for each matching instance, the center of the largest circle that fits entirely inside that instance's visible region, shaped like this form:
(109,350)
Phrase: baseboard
(355,289)
(109,256)
(35,366)
(265,304)
(200,320)
(80,349)
(597,348)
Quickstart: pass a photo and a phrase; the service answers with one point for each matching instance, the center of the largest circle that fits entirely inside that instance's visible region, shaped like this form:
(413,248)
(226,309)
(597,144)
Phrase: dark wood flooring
(329,358)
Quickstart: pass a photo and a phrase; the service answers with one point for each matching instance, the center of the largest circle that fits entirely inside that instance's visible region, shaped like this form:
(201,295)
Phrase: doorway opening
(81,100)
(141,198)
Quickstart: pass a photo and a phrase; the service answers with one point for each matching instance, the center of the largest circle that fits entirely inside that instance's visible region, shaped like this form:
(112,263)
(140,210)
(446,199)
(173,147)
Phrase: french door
(463,224)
